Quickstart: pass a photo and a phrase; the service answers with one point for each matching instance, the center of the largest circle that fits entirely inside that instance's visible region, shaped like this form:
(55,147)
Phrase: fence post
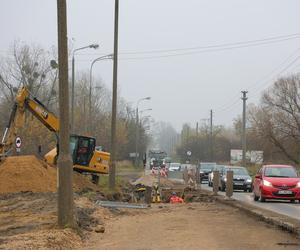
(216,182)
(229,183)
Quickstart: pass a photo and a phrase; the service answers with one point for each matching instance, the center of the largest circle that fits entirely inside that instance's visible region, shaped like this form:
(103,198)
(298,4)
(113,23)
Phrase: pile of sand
(27,173)
(150,180)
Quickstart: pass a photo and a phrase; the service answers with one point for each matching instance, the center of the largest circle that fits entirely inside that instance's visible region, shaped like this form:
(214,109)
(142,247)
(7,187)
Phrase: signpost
(18,143)
(188,153)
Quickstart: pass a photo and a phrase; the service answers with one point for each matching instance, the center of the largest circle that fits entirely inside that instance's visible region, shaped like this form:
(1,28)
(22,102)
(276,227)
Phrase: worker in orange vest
(175,199)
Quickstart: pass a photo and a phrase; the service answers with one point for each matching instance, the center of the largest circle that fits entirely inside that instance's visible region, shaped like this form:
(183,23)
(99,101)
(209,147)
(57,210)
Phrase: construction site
(122,219)
(149,125)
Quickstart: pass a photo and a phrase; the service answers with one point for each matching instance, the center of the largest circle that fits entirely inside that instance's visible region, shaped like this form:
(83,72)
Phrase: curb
(280,221)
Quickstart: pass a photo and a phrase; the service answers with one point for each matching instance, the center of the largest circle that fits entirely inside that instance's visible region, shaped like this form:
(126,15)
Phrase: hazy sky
(183,88)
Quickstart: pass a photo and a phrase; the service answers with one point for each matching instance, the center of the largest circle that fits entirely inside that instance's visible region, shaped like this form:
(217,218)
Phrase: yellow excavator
(86,158)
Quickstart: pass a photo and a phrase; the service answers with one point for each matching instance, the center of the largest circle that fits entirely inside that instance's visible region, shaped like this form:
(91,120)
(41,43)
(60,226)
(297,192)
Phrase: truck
(156,157)
(86,158)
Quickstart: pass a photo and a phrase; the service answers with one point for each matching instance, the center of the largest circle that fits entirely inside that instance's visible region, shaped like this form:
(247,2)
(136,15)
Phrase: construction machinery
(86,158)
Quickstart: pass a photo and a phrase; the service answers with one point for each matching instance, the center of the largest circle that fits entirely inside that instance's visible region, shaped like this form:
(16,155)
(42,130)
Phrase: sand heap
(27,173)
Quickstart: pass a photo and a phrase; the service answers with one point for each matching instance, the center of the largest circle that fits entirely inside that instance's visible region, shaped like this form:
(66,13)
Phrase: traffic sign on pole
(18,142)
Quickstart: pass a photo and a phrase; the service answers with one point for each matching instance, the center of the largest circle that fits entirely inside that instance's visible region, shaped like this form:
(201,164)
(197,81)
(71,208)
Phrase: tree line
(273,126)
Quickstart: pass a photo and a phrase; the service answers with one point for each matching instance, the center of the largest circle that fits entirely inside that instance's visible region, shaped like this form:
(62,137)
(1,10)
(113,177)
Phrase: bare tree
(277,119)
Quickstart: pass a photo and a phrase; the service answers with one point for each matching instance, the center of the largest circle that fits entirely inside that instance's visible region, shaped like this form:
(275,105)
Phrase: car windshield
(238,171)
(218,167)
(207,166)
(286,172)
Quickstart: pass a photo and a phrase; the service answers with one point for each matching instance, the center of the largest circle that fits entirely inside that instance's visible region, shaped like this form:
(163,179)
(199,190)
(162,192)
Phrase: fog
(183,87)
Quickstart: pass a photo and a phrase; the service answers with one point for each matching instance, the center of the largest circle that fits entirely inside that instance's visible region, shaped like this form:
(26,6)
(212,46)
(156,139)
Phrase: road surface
(281,207)
(193,226)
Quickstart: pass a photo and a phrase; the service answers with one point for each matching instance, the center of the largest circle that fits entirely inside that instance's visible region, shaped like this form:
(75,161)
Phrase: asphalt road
(281,207)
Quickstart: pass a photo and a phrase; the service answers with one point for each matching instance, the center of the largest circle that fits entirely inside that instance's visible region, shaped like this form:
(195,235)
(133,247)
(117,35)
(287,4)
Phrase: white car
(174,166)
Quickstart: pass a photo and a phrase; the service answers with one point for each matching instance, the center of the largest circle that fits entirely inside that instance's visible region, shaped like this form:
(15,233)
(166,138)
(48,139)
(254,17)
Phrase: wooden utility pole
(65,168)
(112,168)
(211,135)
(244,146)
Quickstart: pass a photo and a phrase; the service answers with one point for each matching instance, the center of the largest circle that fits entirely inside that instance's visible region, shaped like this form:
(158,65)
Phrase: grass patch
(127,166)
(104,181)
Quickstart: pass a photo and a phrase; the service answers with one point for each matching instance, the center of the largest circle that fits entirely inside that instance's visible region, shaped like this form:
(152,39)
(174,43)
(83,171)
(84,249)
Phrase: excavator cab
(82,149)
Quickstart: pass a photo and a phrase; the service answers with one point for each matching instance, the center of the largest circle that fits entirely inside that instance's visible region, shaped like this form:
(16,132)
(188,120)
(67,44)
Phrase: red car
(277,182)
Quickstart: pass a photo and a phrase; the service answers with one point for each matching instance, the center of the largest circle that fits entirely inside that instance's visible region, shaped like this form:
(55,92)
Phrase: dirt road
(190,226)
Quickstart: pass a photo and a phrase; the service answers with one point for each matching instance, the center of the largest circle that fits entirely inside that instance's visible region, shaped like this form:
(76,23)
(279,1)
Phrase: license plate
(238,184)
(285,192)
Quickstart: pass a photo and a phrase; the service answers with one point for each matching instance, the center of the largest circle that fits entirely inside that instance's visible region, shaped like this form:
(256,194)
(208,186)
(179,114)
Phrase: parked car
(276,182)
(174,166)
(211,175)
(241,179)
(205,169)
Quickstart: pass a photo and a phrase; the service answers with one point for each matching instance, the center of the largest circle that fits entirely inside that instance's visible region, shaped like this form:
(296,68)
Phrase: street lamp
(109,56)
(91,46)
(137,127)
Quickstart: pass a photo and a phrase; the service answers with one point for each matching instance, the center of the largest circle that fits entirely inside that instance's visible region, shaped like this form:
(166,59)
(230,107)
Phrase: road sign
(18,142)
(189,153)
(132,155)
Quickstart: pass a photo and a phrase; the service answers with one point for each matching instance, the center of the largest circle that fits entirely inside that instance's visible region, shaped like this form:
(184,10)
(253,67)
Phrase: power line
(278,67)
(194,52)
(248,43)
(288,66)
(208,48)
(227,107)
(199,51)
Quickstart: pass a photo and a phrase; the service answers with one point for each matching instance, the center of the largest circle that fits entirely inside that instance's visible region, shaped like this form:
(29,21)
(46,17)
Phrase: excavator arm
(85,157)
(24,100)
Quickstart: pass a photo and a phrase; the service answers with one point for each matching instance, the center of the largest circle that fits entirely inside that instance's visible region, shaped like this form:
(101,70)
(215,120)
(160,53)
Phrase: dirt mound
(27,173)
(44,239)
(150,180)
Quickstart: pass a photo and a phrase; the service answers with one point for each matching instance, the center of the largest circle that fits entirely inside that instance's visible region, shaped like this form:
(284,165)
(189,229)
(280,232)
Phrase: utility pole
(112,168)
(244,146)
(65,168)
(136,135)
(197,128)
(211,135)
(72,94)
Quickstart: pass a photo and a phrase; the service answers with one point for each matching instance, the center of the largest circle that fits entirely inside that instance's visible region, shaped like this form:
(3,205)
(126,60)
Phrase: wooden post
(229,183)
(65,168)
(216,182)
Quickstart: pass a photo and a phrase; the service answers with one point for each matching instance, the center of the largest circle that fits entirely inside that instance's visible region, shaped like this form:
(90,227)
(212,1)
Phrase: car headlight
(298,184)
(225,179)
(249,180)
(267,183)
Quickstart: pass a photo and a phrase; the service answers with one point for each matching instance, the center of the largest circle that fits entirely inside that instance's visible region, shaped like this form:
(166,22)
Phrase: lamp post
(91,46)
(106,57)
(137,127)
